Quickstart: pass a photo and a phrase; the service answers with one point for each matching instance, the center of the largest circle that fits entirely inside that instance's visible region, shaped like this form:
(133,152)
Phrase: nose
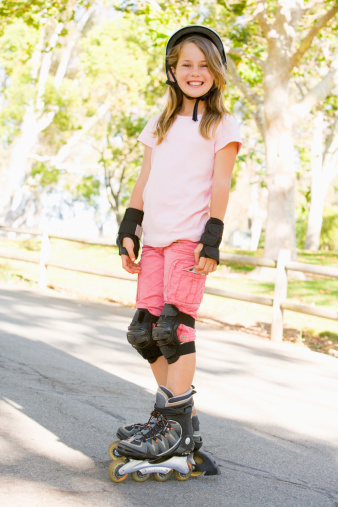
(195,71)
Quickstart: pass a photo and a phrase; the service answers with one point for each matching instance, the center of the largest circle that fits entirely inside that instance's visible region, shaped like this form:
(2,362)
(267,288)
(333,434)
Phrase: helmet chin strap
(202,97)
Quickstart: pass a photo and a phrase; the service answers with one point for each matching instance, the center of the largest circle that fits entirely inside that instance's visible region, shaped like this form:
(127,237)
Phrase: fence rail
(278,302)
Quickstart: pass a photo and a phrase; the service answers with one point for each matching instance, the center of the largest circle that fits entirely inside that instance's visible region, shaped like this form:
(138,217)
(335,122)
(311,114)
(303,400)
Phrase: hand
(128,261)
(203,265)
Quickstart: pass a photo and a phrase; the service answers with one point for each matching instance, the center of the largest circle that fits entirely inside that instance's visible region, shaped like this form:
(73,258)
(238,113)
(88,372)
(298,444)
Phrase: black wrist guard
(130,228)
(211,239)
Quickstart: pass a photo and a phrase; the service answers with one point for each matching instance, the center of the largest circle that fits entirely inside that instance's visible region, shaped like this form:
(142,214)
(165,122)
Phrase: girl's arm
(224,164)
(136,200)
(223,167)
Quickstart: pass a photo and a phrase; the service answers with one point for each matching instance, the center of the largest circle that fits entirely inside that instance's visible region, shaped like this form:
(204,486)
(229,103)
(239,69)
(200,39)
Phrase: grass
(304,330)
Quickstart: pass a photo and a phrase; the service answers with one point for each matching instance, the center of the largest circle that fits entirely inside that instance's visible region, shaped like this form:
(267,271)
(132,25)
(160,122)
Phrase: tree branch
(307,41)
(330,138)
(252,98)
(245,56)
(316,94)
(67,51)
(260,15)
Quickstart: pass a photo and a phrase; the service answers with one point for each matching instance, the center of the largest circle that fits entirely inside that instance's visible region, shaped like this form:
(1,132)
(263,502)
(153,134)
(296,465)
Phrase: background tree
(92,74)
(273,43)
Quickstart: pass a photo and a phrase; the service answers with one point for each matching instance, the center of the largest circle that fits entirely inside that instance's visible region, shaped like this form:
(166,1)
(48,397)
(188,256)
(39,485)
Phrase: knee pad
(165,333)
(139,335)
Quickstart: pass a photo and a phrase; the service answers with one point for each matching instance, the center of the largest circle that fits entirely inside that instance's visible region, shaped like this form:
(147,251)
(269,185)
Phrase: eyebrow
(190,61)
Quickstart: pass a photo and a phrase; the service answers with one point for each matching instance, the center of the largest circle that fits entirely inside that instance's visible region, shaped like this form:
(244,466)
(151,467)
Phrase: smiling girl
(180,198)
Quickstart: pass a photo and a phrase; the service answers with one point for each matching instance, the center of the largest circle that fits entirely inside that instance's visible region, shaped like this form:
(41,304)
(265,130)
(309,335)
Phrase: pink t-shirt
(177,195)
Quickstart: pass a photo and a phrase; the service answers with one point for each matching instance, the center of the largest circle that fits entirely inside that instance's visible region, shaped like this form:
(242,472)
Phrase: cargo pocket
(190,288)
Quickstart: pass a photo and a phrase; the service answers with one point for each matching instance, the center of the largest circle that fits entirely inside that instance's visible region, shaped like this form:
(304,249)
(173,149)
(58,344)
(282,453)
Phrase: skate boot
(129,430)
(168,431)
(123,433)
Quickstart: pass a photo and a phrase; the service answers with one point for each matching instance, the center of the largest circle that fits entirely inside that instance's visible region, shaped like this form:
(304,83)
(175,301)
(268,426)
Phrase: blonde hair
(214,104)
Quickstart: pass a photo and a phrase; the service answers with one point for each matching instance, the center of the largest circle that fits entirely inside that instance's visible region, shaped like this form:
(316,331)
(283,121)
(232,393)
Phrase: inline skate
(163,445)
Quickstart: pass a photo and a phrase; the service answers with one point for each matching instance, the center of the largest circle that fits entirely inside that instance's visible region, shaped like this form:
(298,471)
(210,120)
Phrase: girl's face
(192,73)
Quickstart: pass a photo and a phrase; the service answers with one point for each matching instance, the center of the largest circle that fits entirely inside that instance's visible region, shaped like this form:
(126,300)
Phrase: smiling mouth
(195,84)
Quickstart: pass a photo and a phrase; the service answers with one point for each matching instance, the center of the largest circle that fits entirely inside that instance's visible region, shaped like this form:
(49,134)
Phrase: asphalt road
(68,380)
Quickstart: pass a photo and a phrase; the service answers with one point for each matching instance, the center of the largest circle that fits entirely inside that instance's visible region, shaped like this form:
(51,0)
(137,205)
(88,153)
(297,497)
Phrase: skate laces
(157,424)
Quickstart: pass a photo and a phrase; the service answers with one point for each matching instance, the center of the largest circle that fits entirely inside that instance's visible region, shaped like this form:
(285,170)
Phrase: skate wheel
(114,468)
(161,477)
(138,477)
(198,460)
(183,477)
(113,452)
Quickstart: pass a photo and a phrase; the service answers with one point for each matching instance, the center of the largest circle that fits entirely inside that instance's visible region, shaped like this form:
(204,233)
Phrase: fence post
(280,294)
(44,256)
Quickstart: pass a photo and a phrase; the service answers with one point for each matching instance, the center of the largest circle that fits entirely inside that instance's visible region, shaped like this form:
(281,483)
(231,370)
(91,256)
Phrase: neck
(188,107)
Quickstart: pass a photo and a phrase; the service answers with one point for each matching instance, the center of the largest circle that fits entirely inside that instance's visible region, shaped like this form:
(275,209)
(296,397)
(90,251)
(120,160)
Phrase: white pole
(281,289)
(44,256)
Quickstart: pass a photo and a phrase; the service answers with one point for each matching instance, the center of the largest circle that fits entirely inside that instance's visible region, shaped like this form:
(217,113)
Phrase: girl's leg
(160,371)
(180,374)
(150,296)
(184,290)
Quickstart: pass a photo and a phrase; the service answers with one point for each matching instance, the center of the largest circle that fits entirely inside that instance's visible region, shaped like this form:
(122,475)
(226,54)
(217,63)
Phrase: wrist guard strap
(211,239)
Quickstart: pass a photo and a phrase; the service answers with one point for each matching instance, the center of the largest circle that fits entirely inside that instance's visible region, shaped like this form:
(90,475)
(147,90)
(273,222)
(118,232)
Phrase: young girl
(180,197)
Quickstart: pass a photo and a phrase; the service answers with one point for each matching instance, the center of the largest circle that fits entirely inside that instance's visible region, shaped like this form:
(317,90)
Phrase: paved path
(68,379)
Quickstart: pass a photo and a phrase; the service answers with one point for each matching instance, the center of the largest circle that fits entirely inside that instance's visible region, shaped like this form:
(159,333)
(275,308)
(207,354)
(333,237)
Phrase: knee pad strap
(139,335)
(165,333)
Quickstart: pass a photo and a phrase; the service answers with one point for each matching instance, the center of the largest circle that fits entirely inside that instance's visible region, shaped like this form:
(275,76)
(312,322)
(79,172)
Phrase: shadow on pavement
(60,411)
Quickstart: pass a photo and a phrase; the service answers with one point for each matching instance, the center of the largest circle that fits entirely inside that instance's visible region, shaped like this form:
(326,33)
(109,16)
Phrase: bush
(329,232)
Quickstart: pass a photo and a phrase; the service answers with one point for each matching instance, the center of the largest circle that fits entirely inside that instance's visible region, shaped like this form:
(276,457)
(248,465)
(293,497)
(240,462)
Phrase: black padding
(130,228)
(211,239)
(139,335)
(185,348)
(165,333)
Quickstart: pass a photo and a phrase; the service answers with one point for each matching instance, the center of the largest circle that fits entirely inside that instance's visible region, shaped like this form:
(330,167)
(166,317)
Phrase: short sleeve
(227,132)
(147,137)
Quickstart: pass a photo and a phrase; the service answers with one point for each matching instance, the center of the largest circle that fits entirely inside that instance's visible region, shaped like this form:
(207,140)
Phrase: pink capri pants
(163,280)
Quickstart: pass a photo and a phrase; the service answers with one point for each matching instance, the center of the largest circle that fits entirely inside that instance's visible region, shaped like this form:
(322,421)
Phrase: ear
(173,71)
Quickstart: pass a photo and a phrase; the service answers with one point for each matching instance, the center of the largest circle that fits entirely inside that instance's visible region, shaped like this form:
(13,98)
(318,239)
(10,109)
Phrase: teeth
(194,82)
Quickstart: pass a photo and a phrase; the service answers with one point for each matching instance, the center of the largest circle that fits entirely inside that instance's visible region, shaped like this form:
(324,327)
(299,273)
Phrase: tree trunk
(318,188)
(35,119)
(280,229)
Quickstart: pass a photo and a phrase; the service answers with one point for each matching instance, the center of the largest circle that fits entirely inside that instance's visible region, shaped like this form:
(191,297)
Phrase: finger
(209,266)
(206,268)
(131,254)
(197,256)
(201,264)
(126,264)
(200,261)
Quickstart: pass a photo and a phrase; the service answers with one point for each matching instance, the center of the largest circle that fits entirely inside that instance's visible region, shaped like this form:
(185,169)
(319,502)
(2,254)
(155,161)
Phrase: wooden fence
(278,302)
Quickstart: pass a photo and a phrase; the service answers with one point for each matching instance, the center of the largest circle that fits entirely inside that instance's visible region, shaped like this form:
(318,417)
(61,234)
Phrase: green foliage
(44,176)
(34,12)
(329,334)
(67,102)
(329,232)
(113,62)
(88,189)
(16,59)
